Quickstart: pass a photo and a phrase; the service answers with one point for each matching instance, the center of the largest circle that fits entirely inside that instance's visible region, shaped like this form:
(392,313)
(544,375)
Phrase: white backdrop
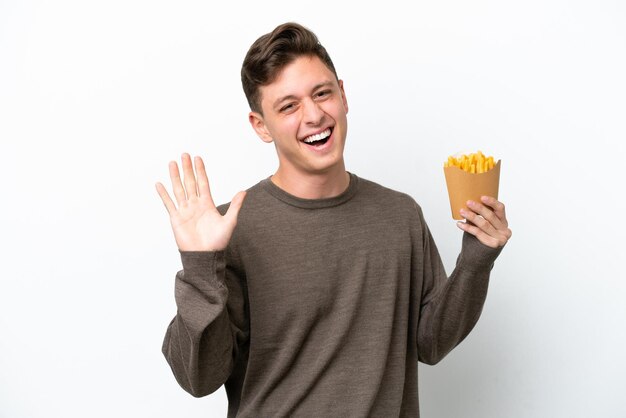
(97,97)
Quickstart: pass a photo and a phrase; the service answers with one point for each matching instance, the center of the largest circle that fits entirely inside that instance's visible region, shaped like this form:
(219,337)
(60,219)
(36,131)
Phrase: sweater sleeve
(205,338)
(450,307)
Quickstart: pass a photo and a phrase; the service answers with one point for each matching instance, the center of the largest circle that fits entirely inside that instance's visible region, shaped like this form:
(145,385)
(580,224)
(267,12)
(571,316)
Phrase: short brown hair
(269,54)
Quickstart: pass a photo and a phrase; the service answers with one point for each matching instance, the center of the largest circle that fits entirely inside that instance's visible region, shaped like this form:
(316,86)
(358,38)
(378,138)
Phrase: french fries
(473,163)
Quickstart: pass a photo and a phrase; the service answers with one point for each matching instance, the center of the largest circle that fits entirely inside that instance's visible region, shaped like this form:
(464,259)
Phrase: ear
(343,95)
(258,124)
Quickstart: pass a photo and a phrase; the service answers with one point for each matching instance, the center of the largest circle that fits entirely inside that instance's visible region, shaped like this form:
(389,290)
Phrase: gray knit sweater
(322,308)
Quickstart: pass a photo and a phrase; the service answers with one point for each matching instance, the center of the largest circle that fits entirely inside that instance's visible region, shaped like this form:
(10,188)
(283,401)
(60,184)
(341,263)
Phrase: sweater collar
(299,202)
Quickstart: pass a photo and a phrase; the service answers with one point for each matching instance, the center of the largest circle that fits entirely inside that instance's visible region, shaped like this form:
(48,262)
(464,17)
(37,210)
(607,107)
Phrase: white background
(97,97)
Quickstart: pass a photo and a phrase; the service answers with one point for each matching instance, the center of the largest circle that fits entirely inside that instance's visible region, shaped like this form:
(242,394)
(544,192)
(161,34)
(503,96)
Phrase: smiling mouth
(319,139)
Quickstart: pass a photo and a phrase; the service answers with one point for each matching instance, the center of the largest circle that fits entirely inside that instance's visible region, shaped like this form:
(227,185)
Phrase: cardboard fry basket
(464,186)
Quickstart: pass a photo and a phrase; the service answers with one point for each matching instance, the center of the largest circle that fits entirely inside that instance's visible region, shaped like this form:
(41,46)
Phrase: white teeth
(317,137)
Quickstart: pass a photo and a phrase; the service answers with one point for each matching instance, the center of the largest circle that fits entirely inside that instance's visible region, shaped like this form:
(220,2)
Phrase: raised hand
(196,222)
(486,221)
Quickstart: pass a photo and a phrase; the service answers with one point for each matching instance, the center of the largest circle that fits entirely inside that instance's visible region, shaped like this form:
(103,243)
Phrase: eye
(287,107)
(323,93)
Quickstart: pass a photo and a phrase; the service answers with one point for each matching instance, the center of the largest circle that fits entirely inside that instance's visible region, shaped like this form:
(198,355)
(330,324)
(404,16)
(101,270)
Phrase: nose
(312,113)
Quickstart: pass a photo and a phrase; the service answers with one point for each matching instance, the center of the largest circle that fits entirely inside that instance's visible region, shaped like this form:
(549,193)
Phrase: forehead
(297,78)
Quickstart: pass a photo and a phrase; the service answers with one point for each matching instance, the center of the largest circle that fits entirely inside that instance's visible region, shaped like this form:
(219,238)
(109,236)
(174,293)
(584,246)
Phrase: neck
(313,185)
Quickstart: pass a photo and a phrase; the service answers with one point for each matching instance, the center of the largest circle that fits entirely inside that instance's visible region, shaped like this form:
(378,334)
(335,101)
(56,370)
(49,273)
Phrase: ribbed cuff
(204,265)
(475,255)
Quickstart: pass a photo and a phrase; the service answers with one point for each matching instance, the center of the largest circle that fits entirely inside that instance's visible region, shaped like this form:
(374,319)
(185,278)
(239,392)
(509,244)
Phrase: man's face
(304,113)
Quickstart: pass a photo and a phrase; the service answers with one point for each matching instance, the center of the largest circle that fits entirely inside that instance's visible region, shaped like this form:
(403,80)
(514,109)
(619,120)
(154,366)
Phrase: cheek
(284,127)
(337,110)
(288,125)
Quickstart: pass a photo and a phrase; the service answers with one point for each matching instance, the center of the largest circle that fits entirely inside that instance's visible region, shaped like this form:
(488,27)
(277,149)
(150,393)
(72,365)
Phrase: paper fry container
(464,186)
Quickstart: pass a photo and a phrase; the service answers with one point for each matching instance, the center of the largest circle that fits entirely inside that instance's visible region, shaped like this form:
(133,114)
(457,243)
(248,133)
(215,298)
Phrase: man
(318,296)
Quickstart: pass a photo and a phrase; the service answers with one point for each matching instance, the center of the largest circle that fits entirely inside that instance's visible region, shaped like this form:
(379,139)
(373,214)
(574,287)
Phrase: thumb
(235,206)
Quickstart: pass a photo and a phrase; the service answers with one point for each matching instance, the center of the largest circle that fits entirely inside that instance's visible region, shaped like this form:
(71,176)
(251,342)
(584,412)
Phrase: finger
(190,178)
(235,206)
(479,222)
(177,186)
(479,234)
(204,190)
(499,211)
(486,213)
(165,198)
(498,208)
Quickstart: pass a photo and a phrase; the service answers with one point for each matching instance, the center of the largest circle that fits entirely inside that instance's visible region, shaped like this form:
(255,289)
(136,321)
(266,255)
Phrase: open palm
(196,222)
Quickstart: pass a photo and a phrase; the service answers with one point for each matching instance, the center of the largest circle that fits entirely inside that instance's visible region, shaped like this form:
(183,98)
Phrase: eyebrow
(292,97)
